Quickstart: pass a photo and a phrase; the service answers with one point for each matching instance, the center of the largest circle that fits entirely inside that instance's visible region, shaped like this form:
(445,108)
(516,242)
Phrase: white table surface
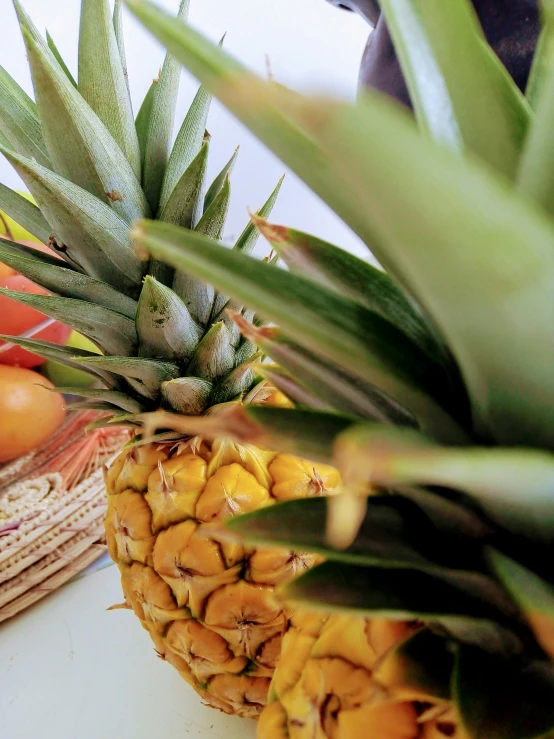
(69,669)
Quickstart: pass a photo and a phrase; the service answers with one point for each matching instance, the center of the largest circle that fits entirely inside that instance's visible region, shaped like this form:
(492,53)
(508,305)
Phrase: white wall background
(311,45)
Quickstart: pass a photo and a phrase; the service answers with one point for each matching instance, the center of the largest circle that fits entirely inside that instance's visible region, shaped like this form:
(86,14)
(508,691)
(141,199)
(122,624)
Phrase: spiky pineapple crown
(93,169)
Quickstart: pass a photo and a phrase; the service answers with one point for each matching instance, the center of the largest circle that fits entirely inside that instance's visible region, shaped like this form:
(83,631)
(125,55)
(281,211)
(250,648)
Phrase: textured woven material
(52,508)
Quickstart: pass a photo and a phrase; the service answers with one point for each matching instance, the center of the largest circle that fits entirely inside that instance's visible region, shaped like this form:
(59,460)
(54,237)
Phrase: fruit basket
(52,506)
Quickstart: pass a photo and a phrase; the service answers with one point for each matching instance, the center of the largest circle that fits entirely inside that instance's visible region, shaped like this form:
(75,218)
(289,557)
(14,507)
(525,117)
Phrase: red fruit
(16,318)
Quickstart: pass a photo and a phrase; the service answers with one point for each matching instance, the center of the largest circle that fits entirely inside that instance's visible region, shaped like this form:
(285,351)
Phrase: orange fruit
(30,413)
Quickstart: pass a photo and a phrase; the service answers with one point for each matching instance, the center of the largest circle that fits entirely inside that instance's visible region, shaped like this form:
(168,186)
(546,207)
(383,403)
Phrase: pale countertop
(69,669)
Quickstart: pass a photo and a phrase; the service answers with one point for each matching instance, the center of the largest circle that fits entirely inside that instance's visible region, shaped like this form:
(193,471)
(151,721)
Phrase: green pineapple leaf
(214,356)
(68,356)
(159,118)
(142,121)
(219,180)
(535,176)
(341,331)
(54,49)
(238,382)
(212,222)
(111,397)
(102,80)
(48,272)
(25,213)
(534,596)
(246,243)
(93,237)
(19,120)
(80,147)
(249,237)
(187,144)
(501,699)
(164,325)
(462,94)
(118,29)
(113,332)
(183,207)
(13,250)
(543,59)
(144,375)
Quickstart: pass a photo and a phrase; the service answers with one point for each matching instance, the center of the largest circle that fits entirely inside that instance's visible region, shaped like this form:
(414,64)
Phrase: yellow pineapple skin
(326,685)
(207,600)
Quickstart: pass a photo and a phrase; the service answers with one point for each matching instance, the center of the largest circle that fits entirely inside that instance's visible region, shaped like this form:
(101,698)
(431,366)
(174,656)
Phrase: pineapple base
(206,600)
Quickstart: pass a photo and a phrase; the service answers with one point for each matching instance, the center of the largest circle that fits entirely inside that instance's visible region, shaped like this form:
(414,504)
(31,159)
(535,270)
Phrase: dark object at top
(511,27)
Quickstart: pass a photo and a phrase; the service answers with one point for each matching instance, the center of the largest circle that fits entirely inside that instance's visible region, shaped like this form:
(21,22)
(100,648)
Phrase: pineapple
(166,343)
(430,385)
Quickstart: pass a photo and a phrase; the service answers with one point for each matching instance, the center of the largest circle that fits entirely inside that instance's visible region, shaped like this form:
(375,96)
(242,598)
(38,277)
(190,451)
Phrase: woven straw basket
(52,508)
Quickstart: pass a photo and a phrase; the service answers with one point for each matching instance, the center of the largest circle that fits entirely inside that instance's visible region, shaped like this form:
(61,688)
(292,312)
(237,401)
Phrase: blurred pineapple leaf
(336,268)
(247,241)
(462,94)
(335,387)
(500,699)
(395,532)
(536,171)
(308,433)
(494,477)
(534,596)
(395,592)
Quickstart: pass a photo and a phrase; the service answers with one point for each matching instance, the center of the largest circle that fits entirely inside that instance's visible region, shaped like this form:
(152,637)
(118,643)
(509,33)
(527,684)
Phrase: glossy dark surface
(511,27)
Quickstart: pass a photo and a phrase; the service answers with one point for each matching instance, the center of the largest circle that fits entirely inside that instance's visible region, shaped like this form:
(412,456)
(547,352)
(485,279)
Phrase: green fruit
(9,228)
(63,376)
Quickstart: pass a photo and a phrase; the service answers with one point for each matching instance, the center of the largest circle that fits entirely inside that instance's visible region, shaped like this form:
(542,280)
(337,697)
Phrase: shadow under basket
(52,508)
